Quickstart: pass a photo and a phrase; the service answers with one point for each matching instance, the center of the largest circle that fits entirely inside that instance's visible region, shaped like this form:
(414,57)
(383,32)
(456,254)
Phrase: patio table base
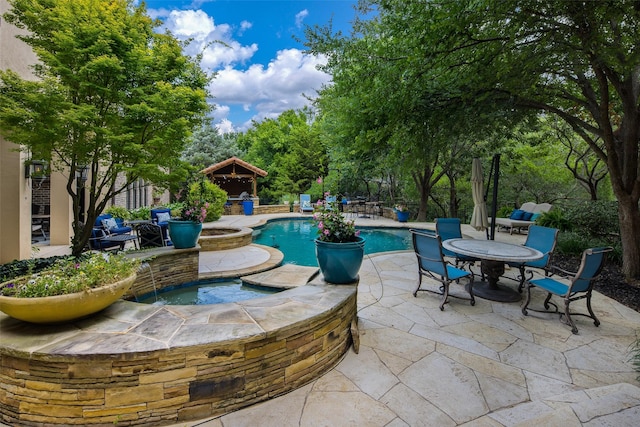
(495,292)
(490,289)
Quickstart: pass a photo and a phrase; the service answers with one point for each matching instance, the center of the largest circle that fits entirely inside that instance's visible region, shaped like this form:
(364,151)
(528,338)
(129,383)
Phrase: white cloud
(278,87)
(225,126)
(265,91)
(300,17)
(214,42)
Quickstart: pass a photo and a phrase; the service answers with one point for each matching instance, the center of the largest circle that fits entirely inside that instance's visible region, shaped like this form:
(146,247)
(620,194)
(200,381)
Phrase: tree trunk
(629,218)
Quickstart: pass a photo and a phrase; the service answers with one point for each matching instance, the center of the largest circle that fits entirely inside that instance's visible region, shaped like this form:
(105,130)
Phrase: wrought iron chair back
(150,235)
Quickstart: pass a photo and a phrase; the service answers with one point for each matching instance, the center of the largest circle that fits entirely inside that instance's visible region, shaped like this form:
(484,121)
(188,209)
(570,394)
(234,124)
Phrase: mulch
(611,281)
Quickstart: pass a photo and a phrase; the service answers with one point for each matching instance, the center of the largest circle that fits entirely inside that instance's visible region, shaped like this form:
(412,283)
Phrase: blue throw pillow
(535,216)
(517,214)
(527,216)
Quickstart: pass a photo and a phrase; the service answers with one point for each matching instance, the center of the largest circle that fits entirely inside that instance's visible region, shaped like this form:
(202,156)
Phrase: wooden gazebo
(235,176)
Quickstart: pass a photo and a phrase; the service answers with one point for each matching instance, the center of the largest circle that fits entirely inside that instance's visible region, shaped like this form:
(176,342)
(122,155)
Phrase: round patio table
(493,255)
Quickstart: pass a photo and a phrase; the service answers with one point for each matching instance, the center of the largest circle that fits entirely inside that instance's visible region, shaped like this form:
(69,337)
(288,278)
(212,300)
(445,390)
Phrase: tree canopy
(421,73)
(110,94)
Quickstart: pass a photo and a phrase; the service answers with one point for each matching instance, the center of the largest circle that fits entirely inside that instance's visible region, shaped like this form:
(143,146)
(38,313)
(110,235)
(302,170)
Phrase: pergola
(235,176)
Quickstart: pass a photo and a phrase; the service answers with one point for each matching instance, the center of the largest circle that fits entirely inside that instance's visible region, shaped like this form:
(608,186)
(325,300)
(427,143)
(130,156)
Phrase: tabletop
(492,250)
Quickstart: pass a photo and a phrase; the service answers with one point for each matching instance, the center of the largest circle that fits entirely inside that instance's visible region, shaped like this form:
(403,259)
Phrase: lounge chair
(305,203)
(576,286)
(523,217)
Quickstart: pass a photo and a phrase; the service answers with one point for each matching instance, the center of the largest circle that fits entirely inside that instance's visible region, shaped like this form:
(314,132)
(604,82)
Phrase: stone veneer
(218,239)
(138,364)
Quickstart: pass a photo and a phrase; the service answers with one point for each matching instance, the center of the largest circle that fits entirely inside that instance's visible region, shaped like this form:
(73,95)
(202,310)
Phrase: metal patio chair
(543,239)
(579,286)
(150,236)
(431,263)
(451,228)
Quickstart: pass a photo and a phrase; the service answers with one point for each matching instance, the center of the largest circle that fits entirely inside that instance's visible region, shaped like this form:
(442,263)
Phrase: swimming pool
(294,238)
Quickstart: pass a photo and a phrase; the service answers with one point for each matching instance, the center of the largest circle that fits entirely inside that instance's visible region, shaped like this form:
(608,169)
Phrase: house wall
(15,190)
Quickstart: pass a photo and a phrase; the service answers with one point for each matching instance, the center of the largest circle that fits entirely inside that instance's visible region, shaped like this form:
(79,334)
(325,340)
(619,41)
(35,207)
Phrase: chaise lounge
(523,217)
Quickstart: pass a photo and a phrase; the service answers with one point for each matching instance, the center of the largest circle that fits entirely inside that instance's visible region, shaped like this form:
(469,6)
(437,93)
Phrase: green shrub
(504,212)
(140,213)
(575,242)
(118,212)
(594,217)
(207,192)
(554,219)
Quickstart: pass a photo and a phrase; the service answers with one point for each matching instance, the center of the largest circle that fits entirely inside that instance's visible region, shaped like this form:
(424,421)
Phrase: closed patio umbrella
(479,218)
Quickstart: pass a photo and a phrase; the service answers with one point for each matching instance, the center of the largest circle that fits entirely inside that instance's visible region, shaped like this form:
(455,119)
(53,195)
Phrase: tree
(289,148)
(112,95)
(207,147)
(480,59)
(384,100)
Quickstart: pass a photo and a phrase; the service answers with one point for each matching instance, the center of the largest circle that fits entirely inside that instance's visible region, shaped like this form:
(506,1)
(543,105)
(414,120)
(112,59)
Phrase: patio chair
(579,286)
(150,236)
(431,263)
(305,203)
(543,239)
(450,228)
(161,217)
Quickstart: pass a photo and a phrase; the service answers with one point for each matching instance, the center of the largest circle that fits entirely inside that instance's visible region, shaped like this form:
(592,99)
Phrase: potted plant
(339,247)
(70,289)
(184,230)
(402,213)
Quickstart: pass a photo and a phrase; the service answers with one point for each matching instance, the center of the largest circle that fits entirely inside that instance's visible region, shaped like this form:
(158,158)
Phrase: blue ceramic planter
(184,234)
(402,216)
(340,262)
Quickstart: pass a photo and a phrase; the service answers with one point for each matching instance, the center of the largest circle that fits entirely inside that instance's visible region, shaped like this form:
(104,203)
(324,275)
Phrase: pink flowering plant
(195,211)
(332,226)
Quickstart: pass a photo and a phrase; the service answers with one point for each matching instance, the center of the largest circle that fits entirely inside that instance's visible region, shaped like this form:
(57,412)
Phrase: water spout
(147,266)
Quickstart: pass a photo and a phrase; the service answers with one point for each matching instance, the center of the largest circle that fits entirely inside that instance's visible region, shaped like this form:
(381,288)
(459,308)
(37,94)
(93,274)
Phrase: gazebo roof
(233,166)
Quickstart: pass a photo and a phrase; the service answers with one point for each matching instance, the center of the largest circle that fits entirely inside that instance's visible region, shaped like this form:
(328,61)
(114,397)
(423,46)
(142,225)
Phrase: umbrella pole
(495,171)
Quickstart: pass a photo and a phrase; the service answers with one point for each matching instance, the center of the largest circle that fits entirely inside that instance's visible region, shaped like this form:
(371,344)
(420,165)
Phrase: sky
(261,67)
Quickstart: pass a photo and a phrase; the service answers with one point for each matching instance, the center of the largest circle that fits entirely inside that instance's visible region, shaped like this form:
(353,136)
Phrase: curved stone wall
(139,364)
(217,239)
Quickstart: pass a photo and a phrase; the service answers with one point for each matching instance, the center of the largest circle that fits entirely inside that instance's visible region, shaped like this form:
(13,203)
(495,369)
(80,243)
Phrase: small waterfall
(147,266)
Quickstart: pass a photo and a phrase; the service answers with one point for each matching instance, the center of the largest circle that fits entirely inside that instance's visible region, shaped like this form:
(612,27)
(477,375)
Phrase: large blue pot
(402,216)
(340,262)
(184,234)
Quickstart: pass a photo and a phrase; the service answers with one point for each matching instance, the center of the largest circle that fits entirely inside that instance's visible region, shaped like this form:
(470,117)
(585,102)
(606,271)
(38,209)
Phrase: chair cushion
(516,214)
(163,216)
(109,223)
(527,216)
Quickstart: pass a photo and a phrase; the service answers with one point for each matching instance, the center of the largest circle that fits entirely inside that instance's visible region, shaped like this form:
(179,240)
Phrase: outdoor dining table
(493,256)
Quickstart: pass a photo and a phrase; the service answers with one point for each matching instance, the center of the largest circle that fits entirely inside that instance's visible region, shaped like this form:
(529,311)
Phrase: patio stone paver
(486,365)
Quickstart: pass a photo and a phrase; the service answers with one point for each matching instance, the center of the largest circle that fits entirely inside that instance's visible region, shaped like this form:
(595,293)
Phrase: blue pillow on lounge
(527,216)
(517,214)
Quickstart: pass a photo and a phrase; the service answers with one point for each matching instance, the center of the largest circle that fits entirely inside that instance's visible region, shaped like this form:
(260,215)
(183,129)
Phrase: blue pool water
(212,291)
(294,238)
